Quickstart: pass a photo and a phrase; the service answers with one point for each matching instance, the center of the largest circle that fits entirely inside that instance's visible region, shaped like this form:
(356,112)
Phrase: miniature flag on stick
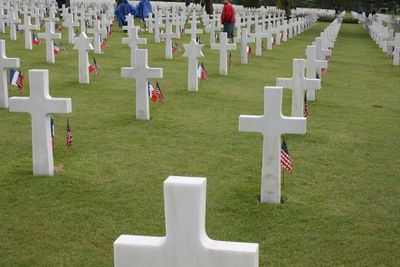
(69,138)
(56,48)
(230,60)
(159,93)
(35,39)
(52,132)
(96,67)
(321,85)
(62,48)
(305,106)
(103,42)
(286,160)
(204,73)
(174,49)
(249,51)
(151,92)
(17,79)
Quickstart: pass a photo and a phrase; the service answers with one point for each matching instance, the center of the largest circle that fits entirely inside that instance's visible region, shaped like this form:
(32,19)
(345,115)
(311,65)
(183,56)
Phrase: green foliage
(326,18)
(341,201)
(249,3)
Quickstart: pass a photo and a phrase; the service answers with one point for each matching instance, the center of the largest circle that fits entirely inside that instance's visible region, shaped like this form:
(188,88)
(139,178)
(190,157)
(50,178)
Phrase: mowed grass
(341,204)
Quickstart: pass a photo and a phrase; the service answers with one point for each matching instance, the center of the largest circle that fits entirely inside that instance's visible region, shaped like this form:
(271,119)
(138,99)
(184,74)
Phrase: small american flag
(96,67)
(305,105)
(62,48)
(159,93)
(204,73)
(52,132)
(249,51)
(230,60)
(20,82)
(69,138)
(321,86)
(286,160)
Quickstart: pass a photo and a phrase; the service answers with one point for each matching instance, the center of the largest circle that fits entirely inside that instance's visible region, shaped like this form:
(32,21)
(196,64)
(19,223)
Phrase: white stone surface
(223,46)
(272,125)
(193,51)
(244,40)
(5,62)
(396,56)
(83,44)
(186,243)
(168,35)
(298,84)
(133,41)
(13,20)
(97,32)
(313,67)
(258,35)
(69,23)
(40,105)
(49,36)
(27,27)
(142,72)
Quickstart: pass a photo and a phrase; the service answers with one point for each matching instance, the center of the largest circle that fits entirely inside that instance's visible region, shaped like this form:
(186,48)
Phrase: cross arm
(312,83)
(293,125)
(249,123)
(19,104)
(59,105)
(285,82)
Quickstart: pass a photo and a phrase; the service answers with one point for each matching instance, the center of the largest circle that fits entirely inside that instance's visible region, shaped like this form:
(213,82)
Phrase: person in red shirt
(228,18)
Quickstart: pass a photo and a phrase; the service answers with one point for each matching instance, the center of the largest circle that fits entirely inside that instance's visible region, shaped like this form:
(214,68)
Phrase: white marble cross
(130,20)
(298,84)
(40,105)
(223,46)
(211,29)
(133,41)
(244,40)
(193,31)
(13,20)
(142,72)
(27,27)
(396,56)
(83,44)
(97,31)
(269,32)
(157,25)
(168,35)
(3,20)
(313,67)
(186,243)
(272,125)
(258,35)
(5,62)
(49,36)
(69,23)
(322,53)
(193,51)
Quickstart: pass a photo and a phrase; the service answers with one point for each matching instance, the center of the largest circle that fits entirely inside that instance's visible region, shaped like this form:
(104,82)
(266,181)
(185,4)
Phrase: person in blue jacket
(144,8)
(122,10)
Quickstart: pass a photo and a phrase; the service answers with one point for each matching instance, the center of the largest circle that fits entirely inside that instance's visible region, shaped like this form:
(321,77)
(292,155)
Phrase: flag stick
(283,177)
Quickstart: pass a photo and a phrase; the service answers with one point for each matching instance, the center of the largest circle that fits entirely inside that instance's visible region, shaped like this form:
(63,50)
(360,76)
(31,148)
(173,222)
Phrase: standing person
(228,18)
(123,10)
(144,8)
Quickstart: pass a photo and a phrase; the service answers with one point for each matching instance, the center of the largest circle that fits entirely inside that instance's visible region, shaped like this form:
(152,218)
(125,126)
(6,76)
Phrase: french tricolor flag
(14,77)
(151,92)
(35,39)
(56,49)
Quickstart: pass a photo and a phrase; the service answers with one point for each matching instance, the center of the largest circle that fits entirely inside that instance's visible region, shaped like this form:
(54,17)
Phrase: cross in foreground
(272,125)
(40,105)
(186,242)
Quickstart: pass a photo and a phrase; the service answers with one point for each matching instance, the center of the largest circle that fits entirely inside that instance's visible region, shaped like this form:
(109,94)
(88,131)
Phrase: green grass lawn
(341,204)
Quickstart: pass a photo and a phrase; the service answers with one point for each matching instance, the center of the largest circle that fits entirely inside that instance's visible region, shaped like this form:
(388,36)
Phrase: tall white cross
(5,62)
(272,125)
(322,53)
(13,20)
(193,31)
(133,41)
(40,105)
(396,56)
(130,20)
(69,23)
(269,32)
(244,40)
(3,20)
(258,35)
(27,27)
(313,67)
(193,51)
(186,243)
(49,36)
(168,35)
(157,25)
(396,42)
(211,29)
(223,48)
(83,44)
(141,72)
(298,84)
(97,32)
